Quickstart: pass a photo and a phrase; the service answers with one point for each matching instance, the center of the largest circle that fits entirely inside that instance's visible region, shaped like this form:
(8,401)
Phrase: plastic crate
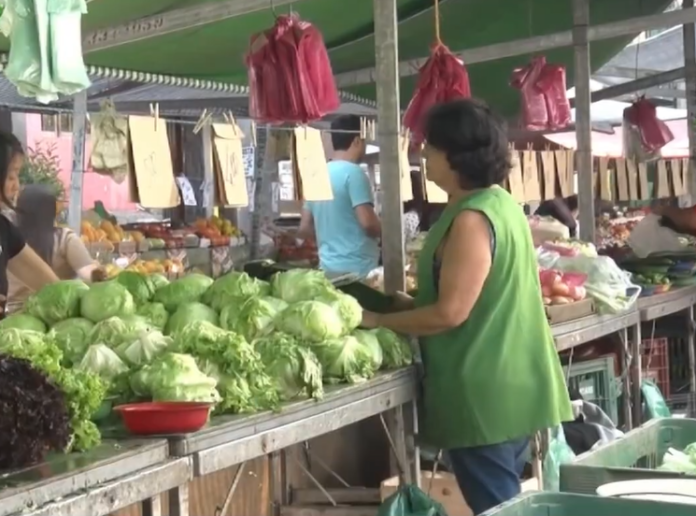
(564,504)
(596,382)
(655,363)
(633,457)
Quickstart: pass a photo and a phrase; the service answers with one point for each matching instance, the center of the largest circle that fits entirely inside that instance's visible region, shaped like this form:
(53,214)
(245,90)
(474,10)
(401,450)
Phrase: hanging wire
(436,12)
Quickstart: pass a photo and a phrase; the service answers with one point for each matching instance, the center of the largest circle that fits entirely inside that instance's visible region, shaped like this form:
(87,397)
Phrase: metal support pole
(78,160)
(691,353)
(208,170)
(690,77)
(388,128)
(636,374)
(583,128)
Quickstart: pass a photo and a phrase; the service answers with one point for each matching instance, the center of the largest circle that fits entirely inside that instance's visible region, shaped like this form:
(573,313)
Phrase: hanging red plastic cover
(290,76)
(545,103)
(534,116)
(442,78)
(641,118)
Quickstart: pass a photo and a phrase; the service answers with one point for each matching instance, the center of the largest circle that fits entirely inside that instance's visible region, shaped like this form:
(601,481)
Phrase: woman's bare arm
(30,269)
(466,263)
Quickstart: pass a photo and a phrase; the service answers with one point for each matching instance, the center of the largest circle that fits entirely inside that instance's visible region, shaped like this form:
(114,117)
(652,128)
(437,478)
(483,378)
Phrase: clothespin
(253,133)
(154,112)
(202,120)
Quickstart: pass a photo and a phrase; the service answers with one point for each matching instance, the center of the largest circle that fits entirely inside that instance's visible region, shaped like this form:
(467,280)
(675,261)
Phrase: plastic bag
(562,287)
(410,501)
(68,70)
(558,453)
(110,148)
(644,133)
(654,401)
(607,284)
(534,116)
(552,82)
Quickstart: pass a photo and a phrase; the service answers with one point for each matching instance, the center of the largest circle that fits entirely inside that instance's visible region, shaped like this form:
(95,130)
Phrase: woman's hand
(370,320)
(98,274)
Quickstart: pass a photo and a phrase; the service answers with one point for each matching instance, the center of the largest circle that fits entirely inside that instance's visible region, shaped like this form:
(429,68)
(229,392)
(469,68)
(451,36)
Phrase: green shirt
(497,376)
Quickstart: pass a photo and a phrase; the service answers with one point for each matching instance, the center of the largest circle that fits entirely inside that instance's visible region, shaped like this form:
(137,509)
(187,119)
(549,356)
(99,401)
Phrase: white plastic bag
(610,286)
(110,147)
(65,28)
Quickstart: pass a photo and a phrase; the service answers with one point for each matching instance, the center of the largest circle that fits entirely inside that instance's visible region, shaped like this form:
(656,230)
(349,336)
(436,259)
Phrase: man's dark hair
(347,129)
(474,140)
(562,210)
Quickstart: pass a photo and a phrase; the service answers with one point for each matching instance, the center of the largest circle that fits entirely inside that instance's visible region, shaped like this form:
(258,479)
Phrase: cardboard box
(557,314)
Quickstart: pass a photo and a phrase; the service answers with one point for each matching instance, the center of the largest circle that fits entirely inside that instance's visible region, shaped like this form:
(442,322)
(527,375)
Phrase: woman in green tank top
(492,373)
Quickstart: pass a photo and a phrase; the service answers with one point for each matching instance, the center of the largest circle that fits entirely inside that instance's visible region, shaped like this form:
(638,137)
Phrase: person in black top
(15,255)
(563,210)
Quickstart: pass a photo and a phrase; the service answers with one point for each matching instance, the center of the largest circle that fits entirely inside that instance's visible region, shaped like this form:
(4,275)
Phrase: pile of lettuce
(243,344)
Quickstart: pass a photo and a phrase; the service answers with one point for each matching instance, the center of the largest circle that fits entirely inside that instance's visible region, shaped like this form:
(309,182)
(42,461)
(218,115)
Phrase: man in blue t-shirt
(347,228)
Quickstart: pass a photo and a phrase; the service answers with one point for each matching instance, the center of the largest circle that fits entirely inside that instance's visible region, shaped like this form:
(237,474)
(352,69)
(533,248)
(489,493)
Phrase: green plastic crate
(563,504)
(596,382)
(633,457)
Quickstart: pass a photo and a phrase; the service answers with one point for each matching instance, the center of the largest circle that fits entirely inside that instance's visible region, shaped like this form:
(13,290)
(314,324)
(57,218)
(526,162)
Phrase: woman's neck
(458,195)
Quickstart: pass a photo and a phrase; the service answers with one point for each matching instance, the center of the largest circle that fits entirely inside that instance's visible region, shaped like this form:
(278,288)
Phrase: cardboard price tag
(515,178)
(548,166)
(433,193)
(229,165)
(405,169)
(309,162)
(530,174)
(152,181)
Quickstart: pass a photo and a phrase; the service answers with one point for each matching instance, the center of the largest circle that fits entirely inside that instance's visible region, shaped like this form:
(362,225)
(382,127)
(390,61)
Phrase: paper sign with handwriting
(229,165)
(310,162)
(152,177)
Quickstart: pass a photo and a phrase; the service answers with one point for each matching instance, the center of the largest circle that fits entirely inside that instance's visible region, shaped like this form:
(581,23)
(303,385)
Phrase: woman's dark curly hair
(474,140)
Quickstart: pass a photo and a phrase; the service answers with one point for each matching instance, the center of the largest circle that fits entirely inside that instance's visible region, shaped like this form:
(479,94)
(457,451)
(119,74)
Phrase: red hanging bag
(644,133)
(534,115)
(442,78)
(552,82)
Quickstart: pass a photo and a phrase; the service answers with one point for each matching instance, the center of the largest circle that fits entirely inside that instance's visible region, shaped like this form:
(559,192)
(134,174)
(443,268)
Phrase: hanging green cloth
(67,65)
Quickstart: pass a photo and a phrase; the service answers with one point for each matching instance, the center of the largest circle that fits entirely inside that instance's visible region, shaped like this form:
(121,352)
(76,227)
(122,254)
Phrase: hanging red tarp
(442,78)
(644,133)
(290,76)
(545,103)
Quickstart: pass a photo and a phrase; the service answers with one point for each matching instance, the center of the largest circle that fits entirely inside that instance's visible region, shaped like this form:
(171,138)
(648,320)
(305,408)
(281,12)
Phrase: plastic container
(596,382)
(633,457)
(157,418)
(564,504)
(656,489)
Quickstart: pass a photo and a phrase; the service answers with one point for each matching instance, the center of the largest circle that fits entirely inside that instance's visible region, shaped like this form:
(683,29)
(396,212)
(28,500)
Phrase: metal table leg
(636,373)
(179,501)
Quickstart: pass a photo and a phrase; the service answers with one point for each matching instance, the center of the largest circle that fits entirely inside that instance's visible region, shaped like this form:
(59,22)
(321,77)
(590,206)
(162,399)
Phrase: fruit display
(217,230)
(160,235)
(107,232)
(167,266)
(614,232)
(559,288)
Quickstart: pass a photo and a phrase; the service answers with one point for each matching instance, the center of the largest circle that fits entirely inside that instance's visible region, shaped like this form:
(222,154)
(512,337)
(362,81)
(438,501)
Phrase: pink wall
(95,187)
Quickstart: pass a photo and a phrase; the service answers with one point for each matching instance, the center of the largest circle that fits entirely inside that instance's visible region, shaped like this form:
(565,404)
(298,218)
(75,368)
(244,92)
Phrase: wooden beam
(643,83)
(534,45)
(172,21)
(342,496)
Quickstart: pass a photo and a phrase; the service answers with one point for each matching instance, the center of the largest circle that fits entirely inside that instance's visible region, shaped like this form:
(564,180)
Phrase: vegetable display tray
(564,504)
(633,457)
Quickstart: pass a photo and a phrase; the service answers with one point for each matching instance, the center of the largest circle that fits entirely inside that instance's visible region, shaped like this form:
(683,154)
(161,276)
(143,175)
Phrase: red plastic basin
(164,417)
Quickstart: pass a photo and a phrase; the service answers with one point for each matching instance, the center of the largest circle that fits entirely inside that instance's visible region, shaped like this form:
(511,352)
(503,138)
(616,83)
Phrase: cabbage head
(310,321)
(230,288)
(106,300)
(368,338)
(57,301)
(294,367)
(347,307)
(23,322)
(114,331)
(345,359)
(300,285)
(72,337)
(144,348)
(158,281)
(255,317)
(155,313)
(175,377)
(188,313)
(102,361)
(139,285)
(395,348)
(188,289)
